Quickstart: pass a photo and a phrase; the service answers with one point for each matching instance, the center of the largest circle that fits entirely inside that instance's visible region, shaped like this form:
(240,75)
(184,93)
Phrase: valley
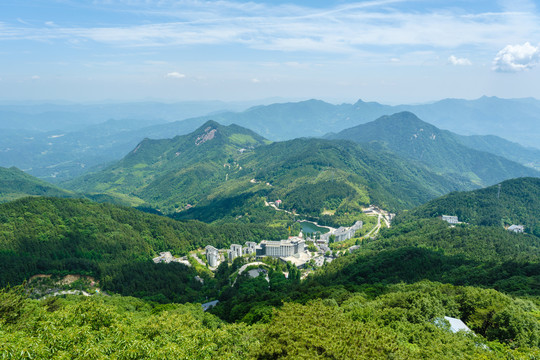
(347,228)
(269,180)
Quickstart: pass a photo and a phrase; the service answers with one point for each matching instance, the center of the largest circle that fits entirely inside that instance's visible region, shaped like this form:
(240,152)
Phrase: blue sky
(389,51)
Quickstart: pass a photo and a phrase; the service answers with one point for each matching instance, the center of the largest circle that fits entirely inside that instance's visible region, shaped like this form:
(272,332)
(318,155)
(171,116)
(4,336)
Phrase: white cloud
(514,58)
(35,77)
(459,61)
(175,75)
(255,81)
(348,28)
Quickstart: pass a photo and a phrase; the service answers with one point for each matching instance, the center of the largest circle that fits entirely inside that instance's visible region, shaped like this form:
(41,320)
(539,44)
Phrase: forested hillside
(516,201)
(229,172)
(404,323)
(15,184)
(113,244)
(442,151)
(528,156)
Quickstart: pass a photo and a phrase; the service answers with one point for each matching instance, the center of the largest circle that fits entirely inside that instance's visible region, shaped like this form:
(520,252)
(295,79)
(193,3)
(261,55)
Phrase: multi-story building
(212,256)
(282,248)
(343,233)
(237,250)
(250,248)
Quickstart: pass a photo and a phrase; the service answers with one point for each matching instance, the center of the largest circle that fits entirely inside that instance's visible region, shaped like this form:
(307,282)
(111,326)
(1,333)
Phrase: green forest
(386,299)
(403,322)
(225,175)
(114,244)
(515,201)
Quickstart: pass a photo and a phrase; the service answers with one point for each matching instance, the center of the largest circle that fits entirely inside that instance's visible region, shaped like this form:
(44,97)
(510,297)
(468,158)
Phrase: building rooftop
(457,325)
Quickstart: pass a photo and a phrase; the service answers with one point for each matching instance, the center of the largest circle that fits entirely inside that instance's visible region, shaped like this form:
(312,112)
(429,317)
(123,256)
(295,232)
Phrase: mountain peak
(208,134)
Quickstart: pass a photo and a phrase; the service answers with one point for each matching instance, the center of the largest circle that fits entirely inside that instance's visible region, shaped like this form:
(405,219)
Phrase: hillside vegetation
(229,172)
(15,184)
(442,151)
(516,201)
(111,243)
(404,323)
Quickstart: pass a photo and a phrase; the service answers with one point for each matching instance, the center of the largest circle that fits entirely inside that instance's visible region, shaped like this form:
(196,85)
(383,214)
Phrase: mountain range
(391,290)
(222,171)
(58,152)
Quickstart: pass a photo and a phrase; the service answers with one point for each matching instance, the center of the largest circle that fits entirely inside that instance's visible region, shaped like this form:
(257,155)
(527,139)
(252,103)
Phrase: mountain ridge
(409,136)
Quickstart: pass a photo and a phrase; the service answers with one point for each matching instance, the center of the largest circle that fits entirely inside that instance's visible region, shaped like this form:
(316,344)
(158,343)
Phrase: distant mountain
(220,171)
(56,156)
(513,119)
(174,171)
(70,117)
(442,151)
(78,138)
(15,184)
(517,201)
(527,156)
(285,121)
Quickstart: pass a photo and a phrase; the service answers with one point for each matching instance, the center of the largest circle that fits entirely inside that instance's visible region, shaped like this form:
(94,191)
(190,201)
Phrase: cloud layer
(515,58)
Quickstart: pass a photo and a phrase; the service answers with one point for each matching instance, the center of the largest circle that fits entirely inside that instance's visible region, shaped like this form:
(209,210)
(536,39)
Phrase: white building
(236,250)
(282,248)
(212,256)
(343,233)
(517,228)
(250,248)
(450,219)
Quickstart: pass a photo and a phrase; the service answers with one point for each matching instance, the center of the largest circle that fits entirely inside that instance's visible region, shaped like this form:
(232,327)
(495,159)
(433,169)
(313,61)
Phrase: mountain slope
(174,172)
(527,156)
(114,244)
(15,184)
(62,154)
(516,202)
(408,136)
(513,119)
(225,170)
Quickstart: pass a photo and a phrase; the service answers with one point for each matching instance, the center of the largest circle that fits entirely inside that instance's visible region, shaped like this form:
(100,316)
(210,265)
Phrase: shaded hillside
(408,136)
(517,202)
(15,184)
(113,244)
(493,144)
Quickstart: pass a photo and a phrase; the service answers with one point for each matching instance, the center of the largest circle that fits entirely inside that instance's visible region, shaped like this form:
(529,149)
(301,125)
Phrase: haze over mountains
(93,138)
(442,151)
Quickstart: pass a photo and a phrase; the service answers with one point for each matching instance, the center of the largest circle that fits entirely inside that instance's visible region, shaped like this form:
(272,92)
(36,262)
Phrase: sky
(390,51)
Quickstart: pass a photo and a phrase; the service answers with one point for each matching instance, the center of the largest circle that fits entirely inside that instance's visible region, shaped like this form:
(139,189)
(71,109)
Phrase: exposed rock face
(208,135)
